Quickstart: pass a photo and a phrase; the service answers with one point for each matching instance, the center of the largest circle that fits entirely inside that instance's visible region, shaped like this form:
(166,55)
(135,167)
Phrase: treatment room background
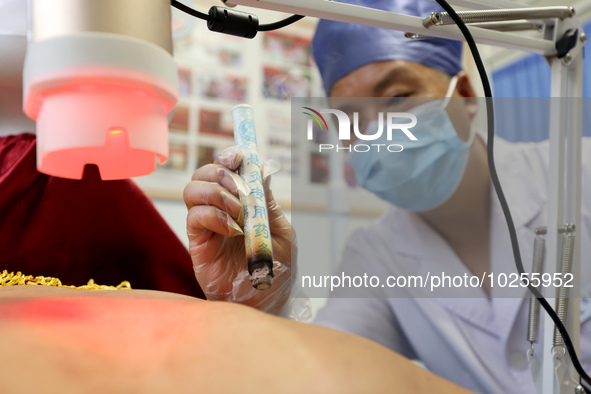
(218,71)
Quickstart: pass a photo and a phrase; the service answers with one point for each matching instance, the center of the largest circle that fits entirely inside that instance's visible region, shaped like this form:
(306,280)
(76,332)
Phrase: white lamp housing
(99,96)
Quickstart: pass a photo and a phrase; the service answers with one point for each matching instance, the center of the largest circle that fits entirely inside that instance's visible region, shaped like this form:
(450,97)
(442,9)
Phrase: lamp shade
(99,98)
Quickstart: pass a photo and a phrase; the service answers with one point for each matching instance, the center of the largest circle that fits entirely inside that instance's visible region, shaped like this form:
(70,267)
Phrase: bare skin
(469,206)
(137,341)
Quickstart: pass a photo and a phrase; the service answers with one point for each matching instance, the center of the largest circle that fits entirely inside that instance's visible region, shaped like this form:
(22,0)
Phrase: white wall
(175,214)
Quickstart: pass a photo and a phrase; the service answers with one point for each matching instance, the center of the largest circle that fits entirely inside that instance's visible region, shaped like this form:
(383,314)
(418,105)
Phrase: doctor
(452,222)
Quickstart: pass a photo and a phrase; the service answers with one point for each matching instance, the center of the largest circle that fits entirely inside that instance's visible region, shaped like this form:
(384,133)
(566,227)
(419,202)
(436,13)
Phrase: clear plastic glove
(216,240)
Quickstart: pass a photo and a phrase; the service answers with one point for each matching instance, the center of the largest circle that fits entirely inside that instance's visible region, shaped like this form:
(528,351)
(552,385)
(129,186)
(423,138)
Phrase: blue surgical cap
(340,48)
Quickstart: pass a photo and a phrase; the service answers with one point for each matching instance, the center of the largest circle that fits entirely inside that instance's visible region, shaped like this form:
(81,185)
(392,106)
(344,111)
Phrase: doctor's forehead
(392,78)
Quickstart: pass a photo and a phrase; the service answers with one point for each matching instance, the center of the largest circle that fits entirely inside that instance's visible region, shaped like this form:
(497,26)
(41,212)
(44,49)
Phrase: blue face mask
(426,172)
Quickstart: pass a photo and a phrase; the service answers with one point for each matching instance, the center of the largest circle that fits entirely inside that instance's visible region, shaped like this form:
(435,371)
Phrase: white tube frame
(564,206)
(342,12)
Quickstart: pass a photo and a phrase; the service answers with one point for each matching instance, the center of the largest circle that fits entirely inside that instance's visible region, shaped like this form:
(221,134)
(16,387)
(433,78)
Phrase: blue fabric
(521,120)
(429,170)
(340,48)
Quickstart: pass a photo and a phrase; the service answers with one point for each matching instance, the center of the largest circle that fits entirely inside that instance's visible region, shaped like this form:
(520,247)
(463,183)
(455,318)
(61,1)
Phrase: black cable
(490,153)
(180,6)
(280,24)
(266,27)
(497,185)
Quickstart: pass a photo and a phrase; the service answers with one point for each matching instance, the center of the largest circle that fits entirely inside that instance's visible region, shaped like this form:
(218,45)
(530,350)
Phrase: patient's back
(73,341)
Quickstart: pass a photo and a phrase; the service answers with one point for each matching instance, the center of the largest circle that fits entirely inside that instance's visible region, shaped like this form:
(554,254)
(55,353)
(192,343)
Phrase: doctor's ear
(465,89)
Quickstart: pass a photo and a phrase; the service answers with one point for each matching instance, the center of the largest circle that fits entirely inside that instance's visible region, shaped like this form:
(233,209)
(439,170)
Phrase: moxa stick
(257,234)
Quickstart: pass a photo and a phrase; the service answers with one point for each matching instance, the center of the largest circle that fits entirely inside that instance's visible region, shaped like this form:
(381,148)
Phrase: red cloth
(76,230)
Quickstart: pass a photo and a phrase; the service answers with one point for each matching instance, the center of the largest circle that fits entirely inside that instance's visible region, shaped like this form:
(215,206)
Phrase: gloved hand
(216,240)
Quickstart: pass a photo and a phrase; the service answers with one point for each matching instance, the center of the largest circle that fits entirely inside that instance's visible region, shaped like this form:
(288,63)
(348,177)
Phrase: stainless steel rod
(520,25)
(534,304)
(478,16)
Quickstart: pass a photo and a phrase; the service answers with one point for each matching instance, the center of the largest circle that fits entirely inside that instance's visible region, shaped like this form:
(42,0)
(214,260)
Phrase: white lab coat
(478,343)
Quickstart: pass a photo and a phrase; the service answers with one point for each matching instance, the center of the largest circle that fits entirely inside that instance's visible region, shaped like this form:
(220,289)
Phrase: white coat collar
(525,197)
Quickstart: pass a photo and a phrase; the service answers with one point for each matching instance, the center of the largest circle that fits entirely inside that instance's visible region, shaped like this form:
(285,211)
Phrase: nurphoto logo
(396,122)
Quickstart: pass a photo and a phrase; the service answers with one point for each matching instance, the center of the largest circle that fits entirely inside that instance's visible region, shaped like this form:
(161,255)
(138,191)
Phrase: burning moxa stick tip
(261,274)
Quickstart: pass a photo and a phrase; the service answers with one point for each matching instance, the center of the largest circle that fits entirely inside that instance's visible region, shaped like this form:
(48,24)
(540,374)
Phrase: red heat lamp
(99,88)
